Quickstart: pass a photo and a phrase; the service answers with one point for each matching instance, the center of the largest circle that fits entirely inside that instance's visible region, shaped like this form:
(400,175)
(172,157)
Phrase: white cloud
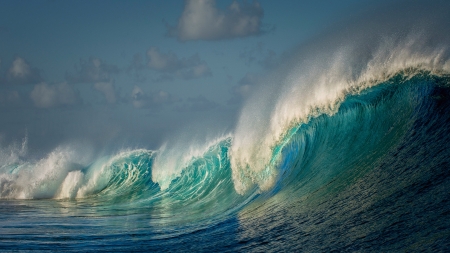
(162,62)
(19,68)
(202,20)
(47,96)
(21,72)
(108,91)
(190,68)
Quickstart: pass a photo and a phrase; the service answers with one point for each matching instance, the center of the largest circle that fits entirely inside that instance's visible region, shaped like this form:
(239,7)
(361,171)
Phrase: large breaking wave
(324,144)
(321,132)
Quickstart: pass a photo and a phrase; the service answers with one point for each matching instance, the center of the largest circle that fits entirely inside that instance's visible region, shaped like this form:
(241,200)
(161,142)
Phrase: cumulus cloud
(108,90)
(185,68)
(202,20)
(91,71)
(197,104)
(155,100)
(21,72)
(46,96)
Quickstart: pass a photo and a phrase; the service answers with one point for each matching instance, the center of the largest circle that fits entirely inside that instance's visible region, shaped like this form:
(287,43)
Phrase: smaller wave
(206,183)
(204,176)
(36,180)
(172,160)
(125,174)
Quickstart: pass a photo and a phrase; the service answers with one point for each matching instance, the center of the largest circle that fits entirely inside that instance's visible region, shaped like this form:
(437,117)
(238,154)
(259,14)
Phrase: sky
(139,73)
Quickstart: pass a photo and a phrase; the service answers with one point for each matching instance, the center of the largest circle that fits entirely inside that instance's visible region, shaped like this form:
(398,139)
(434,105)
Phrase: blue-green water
(373,176)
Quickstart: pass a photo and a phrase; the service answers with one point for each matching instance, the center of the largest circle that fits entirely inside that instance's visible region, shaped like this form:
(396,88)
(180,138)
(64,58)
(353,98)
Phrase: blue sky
(136,72)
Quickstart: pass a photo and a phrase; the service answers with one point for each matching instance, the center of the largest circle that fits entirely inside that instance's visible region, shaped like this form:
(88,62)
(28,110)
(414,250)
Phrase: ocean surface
(347,152)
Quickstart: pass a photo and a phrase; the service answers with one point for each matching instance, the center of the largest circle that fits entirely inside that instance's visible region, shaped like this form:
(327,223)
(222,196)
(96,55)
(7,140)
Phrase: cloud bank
(202,20)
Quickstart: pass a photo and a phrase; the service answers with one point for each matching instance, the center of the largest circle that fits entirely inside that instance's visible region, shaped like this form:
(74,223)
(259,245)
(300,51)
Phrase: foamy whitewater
(346,148)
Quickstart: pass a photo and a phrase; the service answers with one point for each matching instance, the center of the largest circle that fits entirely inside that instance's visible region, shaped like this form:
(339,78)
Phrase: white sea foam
(39,179)
(24,178)
(70,185)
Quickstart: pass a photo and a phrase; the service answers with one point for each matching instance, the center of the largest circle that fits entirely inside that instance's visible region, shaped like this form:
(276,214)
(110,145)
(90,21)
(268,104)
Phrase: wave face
(348,149)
